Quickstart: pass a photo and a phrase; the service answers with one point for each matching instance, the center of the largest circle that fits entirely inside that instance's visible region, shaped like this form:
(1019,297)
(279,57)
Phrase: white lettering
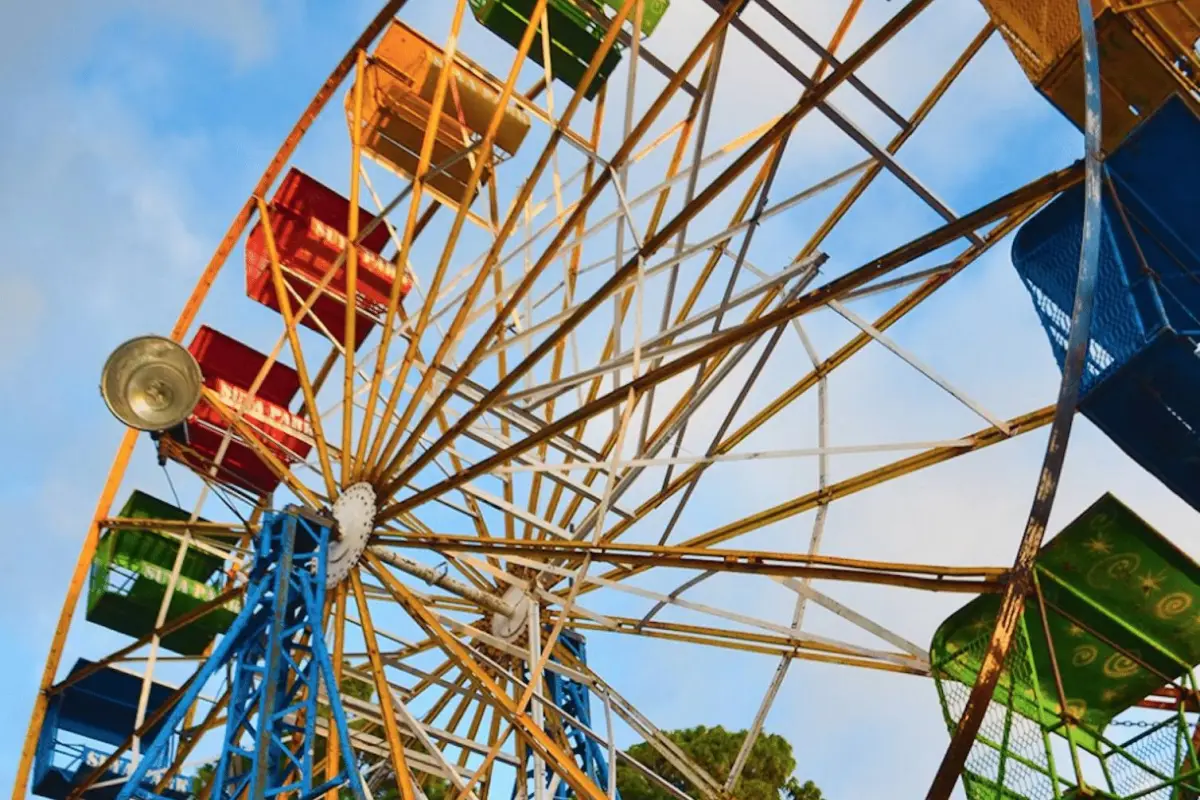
(124,768)
(369,259)
(275,416)
(188,586)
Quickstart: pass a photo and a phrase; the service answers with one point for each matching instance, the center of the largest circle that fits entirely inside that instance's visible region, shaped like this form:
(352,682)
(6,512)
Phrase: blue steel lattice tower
(575,702)
(280,664)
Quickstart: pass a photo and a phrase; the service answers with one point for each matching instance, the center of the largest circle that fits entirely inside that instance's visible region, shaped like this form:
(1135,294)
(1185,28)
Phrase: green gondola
(129,577)
(1122,607)
(576,31)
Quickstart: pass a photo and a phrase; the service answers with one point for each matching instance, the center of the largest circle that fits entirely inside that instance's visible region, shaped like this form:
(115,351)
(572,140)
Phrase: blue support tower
(575,701)
(280,663)
(1141,384)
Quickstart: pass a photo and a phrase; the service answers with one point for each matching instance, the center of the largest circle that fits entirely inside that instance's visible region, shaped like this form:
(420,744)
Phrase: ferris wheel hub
(510,626)
(354,511)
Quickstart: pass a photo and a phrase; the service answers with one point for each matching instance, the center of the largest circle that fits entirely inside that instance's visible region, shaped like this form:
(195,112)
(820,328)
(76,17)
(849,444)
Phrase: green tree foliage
(808,791)
(438,789)
(238,765)
(355,687)
(767,774)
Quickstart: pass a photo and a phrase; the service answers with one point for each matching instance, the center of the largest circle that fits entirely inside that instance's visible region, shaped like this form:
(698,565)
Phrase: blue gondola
(1142,382)
(85,723)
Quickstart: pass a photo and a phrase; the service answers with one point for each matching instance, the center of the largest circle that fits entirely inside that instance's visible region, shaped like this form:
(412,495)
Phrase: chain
(1133,723)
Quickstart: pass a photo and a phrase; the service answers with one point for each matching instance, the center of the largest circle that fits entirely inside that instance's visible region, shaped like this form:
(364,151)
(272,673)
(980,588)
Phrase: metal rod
(1013,601)
(435,577)
(1066,713)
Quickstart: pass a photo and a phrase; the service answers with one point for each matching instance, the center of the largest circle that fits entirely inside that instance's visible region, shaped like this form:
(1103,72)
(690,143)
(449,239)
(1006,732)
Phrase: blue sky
(132,132)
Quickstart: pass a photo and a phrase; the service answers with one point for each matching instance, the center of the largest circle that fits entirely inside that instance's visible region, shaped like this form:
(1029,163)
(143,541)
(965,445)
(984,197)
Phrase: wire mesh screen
(1014,757)
(1011,757)
(1149,764)
(1046,256)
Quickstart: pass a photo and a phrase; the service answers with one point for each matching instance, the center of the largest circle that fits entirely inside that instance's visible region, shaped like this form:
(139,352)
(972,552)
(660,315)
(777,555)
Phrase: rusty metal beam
(924,576)
(1013,602)
(751,642)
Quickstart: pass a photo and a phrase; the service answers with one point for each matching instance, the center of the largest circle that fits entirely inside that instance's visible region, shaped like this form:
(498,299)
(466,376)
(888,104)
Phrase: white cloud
(243,27)
(103,236)
(35,34)
(22,306)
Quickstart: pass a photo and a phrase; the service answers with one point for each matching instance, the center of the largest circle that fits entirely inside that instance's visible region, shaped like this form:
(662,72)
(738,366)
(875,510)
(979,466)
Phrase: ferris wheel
(577,365)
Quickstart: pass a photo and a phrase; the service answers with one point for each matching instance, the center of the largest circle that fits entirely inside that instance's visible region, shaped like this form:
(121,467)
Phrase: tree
(808,791)
(767,774)
(437,789)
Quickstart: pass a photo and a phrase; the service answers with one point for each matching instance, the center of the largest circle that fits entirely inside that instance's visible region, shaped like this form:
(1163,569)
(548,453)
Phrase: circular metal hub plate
(355,515)
(509,627)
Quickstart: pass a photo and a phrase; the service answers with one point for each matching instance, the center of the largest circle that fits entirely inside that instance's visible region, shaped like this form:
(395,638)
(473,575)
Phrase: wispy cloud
(22,306)
(103,234)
